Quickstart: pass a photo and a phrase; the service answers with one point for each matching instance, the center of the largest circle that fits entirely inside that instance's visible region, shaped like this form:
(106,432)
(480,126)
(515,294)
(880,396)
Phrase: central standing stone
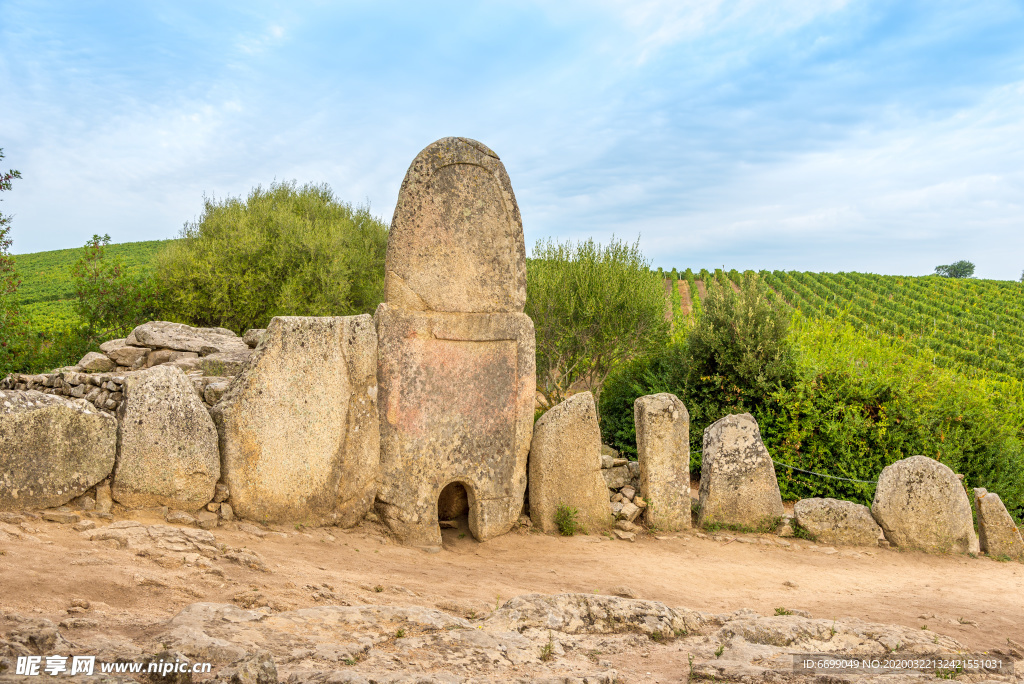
(456,372)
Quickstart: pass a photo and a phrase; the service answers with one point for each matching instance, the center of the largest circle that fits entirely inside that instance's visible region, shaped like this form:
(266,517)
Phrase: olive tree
(593,307)
(283,250)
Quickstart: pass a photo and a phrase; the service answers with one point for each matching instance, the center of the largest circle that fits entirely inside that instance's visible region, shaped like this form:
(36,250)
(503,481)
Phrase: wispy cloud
(765,134)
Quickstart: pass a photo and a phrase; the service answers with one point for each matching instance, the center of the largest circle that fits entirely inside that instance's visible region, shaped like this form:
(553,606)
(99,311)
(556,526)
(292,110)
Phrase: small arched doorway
(453,511)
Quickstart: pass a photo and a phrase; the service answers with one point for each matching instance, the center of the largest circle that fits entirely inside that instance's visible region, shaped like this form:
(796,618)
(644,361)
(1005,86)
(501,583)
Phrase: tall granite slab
(456,371)
(998,534)
(298,427)
(565,466)
(663,451)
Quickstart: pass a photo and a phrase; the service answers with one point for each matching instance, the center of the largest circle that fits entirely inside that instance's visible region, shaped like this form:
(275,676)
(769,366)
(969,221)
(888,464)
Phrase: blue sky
(885,137)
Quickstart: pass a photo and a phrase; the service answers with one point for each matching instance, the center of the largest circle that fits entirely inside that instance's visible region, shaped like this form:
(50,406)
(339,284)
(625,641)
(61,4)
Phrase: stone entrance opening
(453,509)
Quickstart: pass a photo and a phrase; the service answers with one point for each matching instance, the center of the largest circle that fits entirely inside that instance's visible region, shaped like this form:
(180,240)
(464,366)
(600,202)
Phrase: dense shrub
(284,250)
(593,307)
(855,405)
(109,299)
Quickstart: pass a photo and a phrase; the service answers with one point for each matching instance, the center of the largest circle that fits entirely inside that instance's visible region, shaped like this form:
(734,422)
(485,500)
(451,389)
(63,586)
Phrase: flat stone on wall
(167,443)
(299,428)
(663,451)
(52,449)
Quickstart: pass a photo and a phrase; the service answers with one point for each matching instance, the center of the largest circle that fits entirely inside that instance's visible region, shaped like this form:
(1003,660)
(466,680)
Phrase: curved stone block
(456,240)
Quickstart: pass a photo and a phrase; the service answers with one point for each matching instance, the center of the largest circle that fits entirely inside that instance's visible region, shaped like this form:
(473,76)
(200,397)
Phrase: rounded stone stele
(737,477)
(456,240)
(921,504)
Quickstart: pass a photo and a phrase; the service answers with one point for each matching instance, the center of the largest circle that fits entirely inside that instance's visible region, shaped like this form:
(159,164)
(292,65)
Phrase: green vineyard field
(46,289)
(974,327)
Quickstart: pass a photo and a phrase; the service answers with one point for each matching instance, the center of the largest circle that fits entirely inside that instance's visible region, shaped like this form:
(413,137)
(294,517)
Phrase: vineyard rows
(975,327)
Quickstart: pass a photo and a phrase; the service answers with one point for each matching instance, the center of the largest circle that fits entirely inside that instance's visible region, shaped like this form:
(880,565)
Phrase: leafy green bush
(593,307)
(284,250)
(567,520)
(109,300)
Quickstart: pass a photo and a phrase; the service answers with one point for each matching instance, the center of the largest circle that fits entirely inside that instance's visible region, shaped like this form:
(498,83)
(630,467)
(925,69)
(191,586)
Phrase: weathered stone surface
(565,466)
(663,451)
(133,357)
(213,392)
(457,365)
(456,240)
(456,405)
(737,477)
(998,534)
(615,478)
(253,336)
(52,449)
(111,345)
(162,356)
(831,521)
(299,428)
(164,335)
(921,504)
(167,443)
(94,362)
(227,363)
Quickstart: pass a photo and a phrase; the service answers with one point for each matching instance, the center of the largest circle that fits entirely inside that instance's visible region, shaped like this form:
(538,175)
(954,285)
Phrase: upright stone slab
(998,534)
(456,358)
(167,443)
(737,476)
(52,448)
(921,504)
(663,451)
(565,466)
(298,428)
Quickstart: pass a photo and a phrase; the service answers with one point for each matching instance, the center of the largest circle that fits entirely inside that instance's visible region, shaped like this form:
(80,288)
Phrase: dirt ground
(977,601)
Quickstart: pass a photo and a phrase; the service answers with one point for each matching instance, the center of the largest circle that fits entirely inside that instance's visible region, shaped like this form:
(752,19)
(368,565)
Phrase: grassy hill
(46,291)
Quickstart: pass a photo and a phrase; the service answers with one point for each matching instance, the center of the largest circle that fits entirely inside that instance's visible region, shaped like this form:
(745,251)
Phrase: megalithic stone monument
(456,370)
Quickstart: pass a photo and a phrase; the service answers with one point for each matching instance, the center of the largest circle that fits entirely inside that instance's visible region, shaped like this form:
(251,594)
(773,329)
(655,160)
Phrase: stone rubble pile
(209,356)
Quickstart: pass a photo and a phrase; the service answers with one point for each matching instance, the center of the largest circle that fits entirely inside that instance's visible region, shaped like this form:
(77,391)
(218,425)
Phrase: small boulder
(253,336)
(94,362)
(565,466)
(214,391)
(52,448)
(111,345)
(921,504)
(831,521)
(168,451)
(998,535)
(132,357)
(162,356)
(737,476)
